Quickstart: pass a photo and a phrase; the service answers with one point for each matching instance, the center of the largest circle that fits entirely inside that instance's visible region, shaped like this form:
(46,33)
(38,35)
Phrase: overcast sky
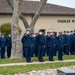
(68,3)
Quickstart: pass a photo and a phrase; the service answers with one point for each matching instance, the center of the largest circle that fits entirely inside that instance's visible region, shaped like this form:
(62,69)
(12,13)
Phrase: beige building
(53,17)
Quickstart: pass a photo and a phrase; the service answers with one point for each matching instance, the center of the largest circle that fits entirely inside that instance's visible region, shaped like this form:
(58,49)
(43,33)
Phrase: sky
(67,3)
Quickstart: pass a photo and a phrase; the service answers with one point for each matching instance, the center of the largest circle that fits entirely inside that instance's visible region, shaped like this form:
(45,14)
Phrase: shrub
(6,28)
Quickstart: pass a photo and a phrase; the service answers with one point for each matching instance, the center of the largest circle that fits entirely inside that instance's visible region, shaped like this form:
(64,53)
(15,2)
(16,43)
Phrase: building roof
(30,7)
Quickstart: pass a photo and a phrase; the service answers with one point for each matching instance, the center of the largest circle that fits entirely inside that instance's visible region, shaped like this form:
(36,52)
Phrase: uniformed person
(68,43)
(9,45)
(71,35)
(55,43)
(50,45)
(60,46)
(3,46)
(48,34)
(26,41)
(0,43)
(23,47)
(36,48)
(74,42)
(33,44)
(40,45)
(64,36)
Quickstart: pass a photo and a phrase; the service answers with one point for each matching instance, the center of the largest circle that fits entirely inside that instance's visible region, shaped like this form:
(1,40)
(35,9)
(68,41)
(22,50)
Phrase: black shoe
(28,61)
(41,61)
(51,60)
(60,59)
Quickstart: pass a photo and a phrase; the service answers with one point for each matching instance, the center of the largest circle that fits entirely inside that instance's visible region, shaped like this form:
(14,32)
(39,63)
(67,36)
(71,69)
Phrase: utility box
(65,71)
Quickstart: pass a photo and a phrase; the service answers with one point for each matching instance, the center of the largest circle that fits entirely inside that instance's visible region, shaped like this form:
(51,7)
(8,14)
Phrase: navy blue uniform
(64,36)
(60,46)
(0,47)
(9,46)
(33,46)
(47,52)
(40,45)
(23,48)
(50,46)
(74,43)
(3,45)
(55,45)
(26,41)
(68,44)
(71,51)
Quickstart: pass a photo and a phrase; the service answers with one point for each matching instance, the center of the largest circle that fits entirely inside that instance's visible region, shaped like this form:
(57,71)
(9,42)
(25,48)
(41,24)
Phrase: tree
(35,17)
(16,44)
(6,28)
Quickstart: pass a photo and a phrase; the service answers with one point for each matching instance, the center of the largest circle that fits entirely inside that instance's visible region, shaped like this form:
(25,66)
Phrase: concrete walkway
(24,63)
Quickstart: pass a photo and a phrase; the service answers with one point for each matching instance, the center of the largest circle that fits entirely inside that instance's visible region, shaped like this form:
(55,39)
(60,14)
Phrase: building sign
(65,21)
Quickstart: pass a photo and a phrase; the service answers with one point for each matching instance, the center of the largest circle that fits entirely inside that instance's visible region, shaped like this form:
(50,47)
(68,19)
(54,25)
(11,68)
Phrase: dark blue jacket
(26,40)
(51,41)
(9,42)
(0,42)
(55,40)
(40,40)
(64,36)
(73,38)
(68,40)
(33,41)
(61,40)
(3,42)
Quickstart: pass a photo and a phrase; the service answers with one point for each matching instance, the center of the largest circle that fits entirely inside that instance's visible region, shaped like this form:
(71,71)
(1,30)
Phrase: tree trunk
(16,43)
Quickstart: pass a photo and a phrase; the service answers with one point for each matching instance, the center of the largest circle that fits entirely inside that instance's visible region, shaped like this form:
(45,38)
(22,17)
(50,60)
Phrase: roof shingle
(30,7)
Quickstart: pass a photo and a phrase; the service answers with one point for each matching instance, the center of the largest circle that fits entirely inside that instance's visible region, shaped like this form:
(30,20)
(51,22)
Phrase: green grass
(27,68)
(4,61)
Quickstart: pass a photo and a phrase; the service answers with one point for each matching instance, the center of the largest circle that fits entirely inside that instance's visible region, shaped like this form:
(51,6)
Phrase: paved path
(24,63)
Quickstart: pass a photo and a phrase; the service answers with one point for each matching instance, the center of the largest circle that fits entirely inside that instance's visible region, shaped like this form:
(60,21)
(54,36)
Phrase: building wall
(53,23)
(8,19)
(45,22)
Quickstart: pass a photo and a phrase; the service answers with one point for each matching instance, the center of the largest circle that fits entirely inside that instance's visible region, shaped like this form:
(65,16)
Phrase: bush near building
(6,28)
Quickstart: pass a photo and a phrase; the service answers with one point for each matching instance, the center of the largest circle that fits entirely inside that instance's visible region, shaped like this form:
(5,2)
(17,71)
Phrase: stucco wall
(51,23)
(45,22)
(8,19)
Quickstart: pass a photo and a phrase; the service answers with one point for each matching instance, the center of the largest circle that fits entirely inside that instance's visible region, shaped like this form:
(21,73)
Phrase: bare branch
(24,21)
(10,2)
(36,16)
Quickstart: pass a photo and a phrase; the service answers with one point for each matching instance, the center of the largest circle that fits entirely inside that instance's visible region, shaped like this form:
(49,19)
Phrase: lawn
(4,61)
(27,68)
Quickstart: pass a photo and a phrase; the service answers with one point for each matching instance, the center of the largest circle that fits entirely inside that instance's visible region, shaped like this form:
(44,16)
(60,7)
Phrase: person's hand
(44,46)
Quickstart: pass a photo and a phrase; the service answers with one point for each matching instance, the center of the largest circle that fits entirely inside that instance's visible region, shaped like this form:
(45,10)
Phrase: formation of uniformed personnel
(5,42)
(51,45)
(41,45)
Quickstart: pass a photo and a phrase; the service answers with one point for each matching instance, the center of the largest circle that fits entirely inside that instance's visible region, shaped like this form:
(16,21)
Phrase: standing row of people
(5,44)
(50,45)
